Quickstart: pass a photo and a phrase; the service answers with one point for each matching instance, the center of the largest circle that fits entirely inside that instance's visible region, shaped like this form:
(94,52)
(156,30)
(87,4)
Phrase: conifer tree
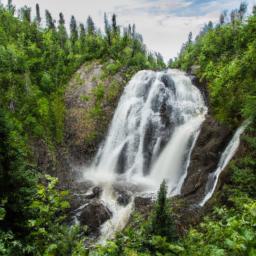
(254,10)
(25,14)
(242,10)
(50,23)
(62,33)
(107,29)
(114,24)
(82,31)
(90,26)
(73,30)
(161,221)
(10,7)
(38,15)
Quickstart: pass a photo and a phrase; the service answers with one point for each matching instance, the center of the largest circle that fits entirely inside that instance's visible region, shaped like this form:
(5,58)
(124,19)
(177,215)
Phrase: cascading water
(151,137)
(226,156)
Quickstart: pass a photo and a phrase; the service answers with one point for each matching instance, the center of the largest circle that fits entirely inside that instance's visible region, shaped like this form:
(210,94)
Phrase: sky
(164,24)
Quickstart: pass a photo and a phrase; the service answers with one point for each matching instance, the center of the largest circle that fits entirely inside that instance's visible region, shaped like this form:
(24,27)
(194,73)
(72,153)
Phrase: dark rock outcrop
(211,142)
(124,198)
(143,205)
(93,215)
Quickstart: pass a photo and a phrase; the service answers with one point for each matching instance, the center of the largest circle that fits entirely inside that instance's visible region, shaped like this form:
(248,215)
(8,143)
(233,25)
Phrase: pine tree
(90,26)
(223,17)
(38,15)
(61,19)
(254,10)
(73,30)
(82,31)
(161,222)
(25,14)
(10,7)
(107,29)
(242,10)
(114,24)
(50,23)
(190,36)
(62,33)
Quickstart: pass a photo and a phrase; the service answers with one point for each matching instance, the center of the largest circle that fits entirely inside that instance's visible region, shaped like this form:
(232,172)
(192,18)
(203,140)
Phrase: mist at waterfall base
(152,134)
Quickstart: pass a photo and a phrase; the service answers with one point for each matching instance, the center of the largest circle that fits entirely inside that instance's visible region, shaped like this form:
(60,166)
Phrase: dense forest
(37,61)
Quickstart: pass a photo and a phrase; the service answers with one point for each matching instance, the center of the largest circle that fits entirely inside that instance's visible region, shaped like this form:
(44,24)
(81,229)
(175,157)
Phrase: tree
(242,10)
(107,29)
(50,23)
(82,31)
(10,7)
(61,19)
(114,24)
(62,33)
(223,16)
(233,16)
(161,221)
(73,30)
(90,26)
(25,14)
(190,36)
(38,15)
(254,10)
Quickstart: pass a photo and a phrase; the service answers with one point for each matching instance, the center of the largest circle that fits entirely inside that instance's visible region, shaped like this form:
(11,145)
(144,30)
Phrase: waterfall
(152,134)
(226,156)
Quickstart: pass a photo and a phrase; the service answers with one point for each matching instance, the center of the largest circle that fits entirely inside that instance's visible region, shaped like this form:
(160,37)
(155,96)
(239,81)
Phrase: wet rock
(93,215)
(124,198)
(143,204)
(211,142)
(96,193)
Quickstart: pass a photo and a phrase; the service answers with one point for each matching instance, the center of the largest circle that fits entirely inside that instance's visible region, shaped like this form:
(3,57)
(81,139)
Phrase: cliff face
(91,98)
(204,158)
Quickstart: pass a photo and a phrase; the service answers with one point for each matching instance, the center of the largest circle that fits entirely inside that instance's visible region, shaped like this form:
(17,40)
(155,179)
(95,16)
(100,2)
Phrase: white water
(151,137)
(226,156)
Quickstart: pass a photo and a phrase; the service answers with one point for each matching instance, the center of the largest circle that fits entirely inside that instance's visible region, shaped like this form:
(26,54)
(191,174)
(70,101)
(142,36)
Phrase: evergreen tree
(254,10)
(107,29)
(114,24)
(50,23)
(25,14)
(62,33)
(73,30)
(223,16)
(233,16)
(161,221)
(61,19)
(38,15)
(82,31)
(10,7)
(90,26)
(190,36)
(242,10)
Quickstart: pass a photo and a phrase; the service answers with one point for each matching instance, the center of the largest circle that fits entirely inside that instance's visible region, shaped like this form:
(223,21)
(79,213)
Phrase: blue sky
(164,24)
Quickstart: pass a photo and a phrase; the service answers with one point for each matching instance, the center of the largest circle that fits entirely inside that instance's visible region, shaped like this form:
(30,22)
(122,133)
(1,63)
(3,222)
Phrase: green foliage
(226,57)
(49,235)
(161,222)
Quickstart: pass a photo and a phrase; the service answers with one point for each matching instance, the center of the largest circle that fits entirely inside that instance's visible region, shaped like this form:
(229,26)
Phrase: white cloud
(162,31)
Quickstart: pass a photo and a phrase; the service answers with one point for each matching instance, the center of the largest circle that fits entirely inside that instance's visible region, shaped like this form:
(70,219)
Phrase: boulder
(123,198)
(96,193)
(93,215)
